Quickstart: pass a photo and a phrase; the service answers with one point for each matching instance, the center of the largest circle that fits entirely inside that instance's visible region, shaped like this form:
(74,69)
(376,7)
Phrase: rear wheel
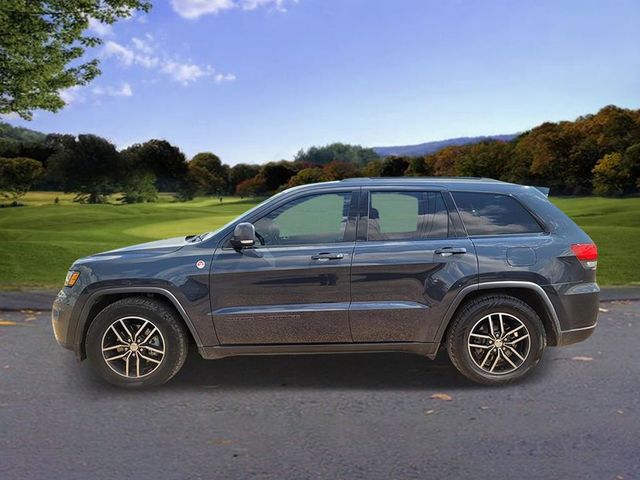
(137,342)
(496,339)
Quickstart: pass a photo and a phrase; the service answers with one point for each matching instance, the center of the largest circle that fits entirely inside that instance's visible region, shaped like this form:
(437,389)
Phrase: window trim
(350,228)
(544,229)
(365,202)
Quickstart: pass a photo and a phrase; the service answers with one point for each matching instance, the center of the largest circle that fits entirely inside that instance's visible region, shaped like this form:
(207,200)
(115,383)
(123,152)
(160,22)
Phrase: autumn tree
(241,172)
(308,175)
(336,170)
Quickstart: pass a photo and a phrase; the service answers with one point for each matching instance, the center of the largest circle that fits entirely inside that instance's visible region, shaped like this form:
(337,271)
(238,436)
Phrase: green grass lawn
(39,241)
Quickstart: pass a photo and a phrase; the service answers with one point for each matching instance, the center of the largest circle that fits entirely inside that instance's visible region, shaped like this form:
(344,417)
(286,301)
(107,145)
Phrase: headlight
(72,278)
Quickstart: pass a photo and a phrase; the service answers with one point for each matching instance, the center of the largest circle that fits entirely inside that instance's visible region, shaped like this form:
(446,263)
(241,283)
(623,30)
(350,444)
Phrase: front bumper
(61,319)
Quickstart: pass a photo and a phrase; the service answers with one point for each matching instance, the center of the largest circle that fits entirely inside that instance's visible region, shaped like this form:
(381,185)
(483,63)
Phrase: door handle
(448,251)
(327,256)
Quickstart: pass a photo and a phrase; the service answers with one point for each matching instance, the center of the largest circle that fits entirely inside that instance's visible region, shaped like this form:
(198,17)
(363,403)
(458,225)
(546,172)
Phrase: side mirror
(244,235)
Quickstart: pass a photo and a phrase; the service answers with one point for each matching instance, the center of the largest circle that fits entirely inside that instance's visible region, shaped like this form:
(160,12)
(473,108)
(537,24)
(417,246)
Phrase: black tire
(174,339)
(473,314)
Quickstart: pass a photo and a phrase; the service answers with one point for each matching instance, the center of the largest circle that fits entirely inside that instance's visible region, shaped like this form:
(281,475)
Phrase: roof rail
(357,179)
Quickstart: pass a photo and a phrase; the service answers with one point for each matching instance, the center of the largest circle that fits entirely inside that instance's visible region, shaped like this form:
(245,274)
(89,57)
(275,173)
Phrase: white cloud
(143,44)
(123,90)
(253,4)
(10,116)
(224,77)
(103,29)
(143,53)
(122,53)
(71,95)
(185,73)
(196,8)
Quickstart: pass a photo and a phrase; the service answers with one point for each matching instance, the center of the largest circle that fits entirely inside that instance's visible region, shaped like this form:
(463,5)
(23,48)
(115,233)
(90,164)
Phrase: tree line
(597,153)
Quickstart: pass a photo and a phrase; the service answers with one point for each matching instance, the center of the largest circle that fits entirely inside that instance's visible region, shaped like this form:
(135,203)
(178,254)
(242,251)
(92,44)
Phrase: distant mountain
(19,134)
(431,147)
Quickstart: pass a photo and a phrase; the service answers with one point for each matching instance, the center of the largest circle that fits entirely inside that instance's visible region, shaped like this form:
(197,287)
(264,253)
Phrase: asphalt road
(342,416)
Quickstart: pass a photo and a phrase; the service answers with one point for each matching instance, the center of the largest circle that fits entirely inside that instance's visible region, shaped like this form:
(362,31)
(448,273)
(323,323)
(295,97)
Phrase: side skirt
(418,348)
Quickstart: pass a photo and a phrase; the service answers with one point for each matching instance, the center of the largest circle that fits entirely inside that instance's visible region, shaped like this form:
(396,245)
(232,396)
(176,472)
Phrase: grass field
(39,241)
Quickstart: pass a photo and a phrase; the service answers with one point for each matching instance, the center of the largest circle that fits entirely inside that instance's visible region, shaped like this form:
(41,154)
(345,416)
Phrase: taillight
(587,253)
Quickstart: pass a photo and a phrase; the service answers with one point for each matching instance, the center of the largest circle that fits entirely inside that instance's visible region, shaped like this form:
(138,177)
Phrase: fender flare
(95,296)
(463,294)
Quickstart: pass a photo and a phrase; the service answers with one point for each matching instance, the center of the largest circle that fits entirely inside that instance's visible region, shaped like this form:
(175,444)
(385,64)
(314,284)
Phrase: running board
(220,351)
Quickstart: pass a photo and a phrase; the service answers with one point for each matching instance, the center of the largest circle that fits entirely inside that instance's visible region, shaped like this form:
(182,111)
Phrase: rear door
(410,260)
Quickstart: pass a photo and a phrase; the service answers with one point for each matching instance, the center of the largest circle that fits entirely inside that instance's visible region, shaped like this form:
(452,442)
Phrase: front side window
(407,216)
(307,220)
(494,214)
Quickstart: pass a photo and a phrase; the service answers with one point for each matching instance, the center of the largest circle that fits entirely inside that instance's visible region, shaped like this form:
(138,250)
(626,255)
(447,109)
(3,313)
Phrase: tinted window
(407,216)
(306,220)
(491,214)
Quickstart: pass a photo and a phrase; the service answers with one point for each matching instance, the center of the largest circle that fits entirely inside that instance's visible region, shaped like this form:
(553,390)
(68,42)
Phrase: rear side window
(492,214)
(407,216)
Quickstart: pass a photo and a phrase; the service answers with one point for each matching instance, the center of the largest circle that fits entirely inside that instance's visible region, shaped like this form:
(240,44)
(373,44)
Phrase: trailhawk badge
(200,264)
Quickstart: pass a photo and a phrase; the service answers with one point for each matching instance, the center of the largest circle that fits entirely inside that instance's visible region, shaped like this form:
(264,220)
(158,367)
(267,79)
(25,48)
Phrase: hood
(158,247)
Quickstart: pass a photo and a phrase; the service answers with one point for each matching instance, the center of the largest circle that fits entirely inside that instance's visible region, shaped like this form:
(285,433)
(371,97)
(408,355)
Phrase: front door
(293,286)
(410,261)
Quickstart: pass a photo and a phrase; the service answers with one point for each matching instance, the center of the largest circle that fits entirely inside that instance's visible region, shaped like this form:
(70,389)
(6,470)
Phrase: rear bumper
(576,307)
(568,337)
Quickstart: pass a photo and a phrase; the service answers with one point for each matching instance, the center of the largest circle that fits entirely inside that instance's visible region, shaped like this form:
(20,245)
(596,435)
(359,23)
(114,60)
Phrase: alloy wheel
(133,347)
(499,343)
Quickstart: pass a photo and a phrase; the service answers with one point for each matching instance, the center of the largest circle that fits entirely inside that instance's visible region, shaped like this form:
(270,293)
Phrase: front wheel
(496,339)
(137,342)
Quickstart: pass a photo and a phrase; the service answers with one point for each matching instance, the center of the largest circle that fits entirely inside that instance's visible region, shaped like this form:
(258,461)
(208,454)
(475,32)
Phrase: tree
(139,188)
(88,165)
(393,167)
(210,173)
(632,159)
(250,187)
(307,175)
(373,168)
(485,159)
(418,167)
(241,172)
(336,170)
(276,174)
(611,175)
(42,48)
(341,152)
(166,162)
(17,175)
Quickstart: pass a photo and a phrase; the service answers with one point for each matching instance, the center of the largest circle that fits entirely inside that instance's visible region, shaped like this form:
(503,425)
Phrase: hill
(19,134)
(432,147)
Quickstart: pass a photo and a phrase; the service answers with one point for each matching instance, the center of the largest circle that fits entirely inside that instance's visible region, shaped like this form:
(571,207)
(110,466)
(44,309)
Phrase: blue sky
(256,80)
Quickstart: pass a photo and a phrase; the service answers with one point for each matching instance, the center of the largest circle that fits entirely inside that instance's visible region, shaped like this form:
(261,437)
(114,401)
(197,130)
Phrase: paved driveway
(341,416)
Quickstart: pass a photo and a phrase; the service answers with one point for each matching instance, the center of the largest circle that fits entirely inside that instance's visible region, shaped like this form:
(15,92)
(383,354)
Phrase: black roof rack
(359,179)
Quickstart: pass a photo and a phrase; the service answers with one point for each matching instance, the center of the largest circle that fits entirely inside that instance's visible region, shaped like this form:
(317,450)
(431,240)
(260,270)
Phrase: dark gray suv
(491,271)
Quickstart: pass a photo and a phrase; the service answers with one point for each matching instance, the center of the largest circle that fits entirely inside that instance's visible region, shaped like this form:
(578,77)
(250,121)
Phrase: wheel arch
(530,293)
(100,299)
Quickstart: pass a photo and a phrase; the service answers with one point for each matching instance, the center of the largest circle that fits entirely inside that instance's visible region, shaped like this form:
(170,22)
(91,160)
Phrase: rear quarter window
(494,214)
